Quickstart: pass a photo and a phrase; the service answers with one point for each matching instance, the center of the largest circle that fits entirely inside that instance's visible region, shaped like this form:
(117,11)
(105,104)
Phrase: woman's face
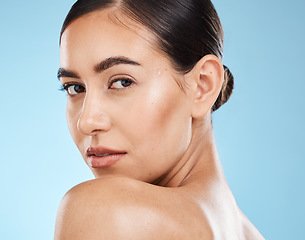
(125,110)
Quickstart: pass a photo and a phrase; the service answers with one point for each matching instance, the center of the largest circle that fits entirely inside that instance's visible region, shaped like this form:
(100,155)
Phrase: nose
(94,117)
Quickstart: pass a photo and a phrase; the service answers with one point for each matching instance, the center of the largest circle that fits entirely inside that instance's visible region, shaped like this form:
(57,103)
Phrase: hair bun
(226,90)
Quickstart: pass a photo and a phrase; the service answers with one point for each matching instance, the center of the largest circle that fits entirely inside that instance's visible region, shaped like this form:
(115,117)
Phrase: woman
(142,79)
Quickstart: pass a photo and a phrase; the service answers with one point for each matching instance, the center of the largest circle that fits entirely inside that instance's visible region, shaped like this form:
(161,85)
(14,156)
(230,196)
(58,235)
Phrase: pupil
(126,82)
(78,88)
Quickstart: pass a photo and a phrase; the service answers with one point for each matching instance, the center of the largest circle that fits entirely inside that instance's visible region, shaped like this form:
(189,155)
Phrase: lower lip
(106,161)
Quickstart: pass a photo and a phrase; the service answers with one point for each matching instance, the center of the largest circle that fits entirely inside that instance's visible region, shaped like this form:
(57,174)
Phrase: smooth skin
(169,184)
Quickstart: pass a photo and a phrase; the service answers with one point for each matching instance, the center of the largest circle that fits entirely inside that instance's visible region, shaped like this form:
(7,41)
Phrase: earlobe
(208,76)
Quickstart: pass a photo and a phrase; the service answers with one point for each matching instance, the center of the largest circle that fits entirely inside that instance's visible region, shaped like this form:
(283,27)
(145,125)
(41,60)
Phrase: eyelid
(68,84)
(117,78)
(65,87)
(120,77)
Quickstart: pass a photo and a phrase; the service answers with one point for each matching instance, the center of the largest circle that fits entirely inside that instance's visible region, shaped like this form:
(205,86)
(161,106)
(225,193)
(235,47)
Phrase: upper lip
(101,151)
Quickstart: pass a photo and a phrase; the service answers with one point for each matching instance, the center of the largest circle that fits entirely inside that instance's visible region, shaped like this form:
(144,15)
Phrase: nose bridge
(94,117)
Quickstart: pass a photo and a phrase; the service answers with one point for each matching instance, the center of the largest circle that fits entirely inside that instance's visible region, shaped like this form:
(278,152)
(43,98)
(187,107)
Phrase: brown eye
(74,89)
(121,83)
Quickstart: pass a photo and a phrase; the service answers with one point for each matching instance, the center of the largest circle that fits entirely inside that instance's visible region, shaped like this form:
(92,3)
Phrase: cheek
(161,121)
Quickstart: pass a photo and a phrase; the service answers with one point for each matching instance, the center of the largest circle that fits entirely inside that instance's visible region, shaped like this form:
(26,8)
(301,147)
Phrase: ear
(207,79)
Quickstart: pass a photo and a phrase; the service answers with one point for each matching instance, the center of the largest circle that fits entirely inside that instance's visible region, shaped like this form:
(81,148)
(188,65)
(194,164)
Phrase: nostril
(92,124)
(86,125)
(95,131)
(94,116)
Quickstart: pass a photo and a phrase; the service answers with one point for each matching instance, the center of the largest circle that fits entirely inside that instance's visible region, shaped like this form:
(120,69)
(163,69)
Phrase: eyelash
(111,82)
(65,87)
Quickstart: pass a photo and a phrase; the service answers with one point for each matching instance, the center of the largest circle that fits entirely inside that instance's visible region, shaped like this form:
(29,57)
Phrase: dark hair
(186,30)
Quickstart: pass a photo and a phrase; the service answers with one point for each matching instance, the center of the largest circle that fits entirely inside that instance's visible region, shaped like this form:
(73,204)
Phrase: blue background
(259,132)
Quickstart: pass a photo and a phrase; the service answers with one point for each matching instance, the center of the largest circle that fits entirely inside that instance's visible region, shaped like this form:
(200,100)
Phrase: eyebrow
(102,66)
(112,61)
(66,73)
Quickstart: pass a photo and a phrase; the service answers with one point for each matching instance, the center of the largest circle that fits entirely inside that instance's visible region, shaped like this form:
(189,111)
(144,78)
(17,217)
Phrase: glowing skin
(150,119)
(134,125)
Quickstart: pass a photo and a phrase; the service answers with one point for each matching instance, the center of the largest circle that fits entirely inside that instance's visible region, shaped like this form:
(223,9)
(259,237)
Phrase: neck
(200,159)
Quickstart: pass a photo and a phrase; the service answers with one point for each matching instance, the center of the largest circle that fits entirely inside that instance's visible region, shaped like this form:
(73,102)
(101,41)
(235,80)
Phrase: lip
(103,157)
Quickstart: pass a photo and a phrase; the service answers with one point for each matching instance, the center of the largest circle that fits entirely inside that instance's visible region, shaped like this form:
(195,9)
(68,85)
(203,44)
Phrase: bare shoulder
(250,231)
(123,208)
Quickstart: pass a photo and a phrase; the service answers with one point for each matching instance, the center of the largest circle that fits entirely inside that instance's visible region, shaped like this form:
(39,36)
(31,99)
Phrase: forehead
(105,32)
